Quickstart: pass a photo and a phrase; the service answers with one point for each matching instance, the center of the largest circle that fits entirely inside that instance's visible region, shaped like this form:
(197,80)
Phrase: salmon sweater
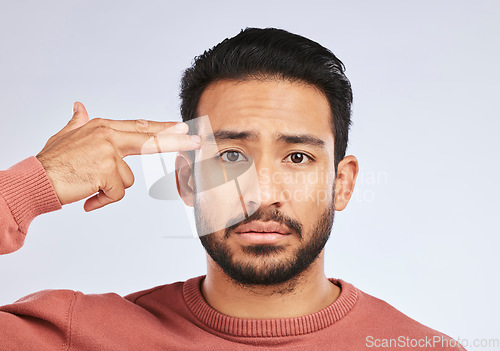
(176,316)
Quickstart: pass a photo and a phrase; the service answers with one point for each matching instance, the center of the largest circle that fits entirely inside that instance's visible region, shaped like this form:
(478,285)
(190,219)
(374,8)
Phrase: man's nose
(267,189)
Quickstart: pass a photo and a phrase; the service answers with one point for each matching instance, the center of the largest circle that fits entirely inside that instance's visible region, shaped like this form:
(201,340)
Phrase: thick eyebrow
(307,139)
(221,135)
(301,139)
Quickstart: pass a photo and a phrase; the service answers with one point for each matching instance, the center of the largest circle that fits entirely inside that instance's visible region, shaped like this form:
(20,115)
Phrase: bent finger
(113,193)
(125,172)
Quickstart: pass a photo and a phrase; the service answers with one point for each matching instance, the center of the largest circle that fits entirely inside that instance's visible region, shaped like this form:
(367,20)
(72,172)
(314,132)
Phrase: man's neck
(308,293)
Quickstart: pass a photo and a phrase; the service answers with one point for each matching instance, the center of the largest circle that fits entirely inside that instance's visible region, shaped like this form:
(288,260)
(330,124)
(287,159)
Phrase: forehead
(267,106)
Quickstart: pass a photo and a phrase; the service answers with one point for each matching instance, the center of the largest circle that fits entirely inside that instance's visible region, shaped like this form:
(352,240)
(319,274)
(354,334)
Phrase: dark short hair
(273,53)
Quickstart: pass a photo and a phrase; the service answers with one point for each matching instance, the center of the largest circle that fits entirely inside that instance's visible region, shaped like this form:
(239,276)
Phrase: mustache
(266,216)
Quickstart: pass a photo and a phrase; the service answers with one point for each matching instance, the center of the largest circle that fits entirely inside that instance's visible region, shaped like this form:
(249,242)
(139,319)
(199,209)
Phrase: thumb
(80,118)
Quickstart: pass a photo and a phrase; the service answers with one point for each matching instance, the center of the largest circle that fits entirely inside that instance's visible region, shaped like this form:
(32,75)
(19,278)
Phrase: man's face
(285,130)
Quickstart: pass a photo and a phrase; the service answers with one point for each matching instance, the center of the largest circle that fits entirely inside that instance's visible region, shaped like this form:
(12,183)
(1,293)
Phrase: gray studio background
(421,231)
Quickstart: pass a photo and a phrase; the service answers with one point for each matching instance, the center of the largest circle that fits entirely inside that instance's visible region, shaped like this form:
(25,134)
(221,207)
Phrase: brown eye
(298,158)
(232,156)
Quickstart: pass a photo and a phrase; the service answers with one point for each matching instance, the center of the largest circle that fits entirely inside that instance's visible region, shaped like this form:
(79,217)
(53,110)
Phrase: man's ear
(347,171)
(184,178)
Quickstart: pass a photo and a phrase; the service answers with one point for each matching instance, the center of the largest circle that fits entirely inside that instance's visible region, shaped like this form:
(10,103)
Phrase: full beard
(268,270)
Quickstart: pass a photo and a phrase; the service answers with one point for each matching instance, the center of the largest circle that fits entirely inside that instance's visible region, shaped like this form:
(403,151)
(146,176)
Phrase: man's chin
(263,250)
(267,264)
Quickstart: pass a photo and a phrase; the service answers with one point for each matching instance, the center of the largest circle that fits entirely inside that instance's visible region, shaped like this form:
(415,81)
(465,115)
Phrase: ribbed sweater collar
(268,327)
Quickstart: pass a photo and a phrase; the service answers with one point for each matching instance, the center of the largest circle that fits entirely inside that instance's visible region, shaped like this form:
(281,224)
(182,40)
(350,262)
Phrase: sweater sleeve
(40,321)
(25,192)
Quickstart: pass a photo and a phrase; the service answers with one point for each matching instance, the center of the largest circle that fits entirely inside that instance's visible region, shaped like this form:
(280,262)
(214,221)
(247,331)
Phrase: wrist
(28,191)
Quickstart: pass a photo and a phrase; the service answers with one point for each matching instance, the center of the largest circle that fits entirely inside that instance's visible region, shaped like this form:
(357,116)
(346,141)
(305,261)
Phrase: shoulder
(384,314)
(54,304)
(49,300)
(59,303)
(385,326)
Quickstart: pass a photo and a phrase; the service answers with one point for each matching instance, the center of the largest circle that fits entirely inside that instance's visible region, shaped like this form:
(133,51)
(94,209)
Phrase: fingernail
(196,139)
(75,107)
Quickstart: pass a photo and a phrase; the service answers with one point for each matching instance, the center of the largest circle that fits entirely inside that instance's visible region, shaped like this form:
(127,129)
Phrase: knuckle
(150,135)
(97,121)
(141,124)
(151,138)
(104,132)
(106,150)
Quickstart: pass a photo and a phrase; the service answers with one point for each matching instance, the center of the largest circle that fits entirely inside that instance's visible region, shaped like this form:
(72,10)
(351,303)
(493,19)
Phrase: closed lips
(263,227)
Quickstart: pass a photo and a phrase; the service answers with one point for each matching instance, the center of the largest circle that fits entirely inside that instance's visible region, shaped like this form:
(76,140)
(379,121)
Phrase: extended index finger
(143,126)
(133,143)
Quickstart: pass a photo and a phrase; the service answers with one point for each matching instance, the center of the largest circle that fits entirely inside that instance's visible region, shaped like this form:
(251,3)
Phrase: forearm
(25,192)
